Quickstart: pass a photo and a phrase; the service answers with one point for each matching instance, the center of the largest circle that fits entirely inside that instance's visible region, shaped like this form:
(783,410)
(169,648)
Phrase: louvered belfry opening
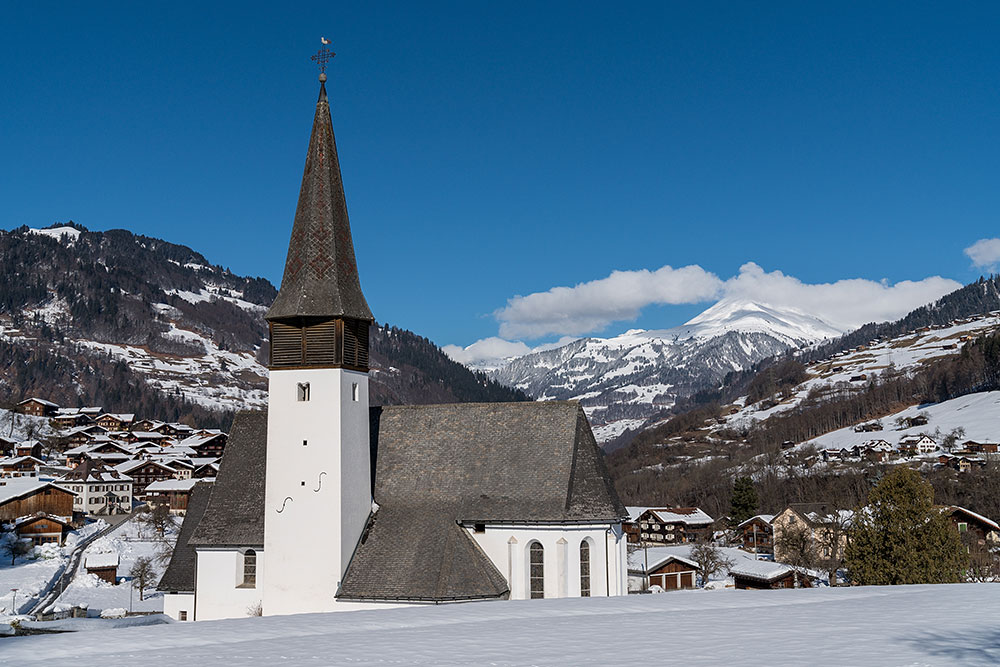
(320,343)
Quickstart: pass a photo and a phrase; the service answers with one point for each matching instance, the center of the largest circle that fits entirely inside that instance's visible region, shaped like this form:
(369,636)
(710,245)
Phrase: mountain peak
(747,316)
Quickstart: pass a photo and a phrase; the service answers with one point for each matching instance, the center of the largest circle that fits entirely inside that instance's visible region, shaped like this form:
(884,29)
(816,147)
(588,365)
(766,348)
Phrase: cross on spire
(322,57)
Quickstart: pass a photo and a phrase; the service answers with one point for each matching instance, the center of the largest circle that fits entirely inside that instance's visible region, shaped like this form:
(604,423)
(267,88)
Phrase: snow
(790,324)
(905,625)
(71,234)
(105,559)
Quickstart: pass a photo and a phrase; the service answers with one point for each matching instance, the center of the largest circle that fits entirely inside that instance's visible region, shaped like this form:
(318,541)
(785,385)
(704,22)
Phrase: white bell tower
(318,485)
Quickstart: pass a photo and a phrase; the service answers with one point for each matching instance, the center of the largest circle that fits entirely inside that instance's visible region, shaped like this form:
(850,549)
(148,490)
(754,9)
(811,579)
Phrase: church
(324,503)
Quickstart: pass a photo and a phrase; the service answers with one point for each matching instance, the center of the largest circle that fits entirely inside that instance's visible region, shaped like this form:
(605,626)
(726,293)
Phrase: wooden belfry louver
(320,318)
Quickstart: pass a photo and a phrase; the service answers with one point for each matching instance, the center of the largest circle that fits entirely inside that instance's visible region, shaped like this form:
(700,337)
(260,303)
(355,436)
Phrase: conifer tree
(744,501)
(901,538)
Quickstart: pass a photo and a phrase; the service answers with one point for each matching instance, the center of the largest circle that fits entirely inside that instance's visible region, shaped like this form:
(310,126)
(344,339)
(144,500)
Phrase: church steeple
(320,317)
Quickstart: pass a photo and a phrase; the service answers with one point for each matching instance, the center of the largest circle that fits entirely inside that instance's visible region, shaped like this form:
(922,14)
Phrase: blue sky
(497,150)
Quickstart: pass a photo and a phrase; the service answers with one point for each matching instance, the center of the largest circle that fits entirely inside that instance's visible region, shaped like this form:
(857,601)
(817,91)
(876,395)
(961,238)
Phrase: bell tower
(318,482)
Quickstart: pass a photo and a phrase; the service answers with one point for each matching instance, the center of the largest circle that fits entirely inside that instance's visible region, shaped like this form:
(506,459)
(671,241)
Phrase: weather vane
(322,57)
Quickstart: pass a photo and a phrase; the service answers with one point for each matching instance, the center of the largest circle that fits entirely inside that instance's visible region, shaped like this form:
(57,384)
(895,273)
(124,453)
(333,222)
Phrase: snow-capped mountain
(621,381)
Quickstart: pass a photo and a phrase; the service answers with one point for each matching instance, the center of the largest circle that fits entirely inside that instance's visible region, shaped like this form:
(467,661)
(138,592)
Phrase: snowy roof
(120,416)
(657,560)
(14,460)
(172,485)
(106,559)
(39,400)
(980,517)
(148,435)
(691,516)
(766,518)
(179,575)
(16,487)
(761,570)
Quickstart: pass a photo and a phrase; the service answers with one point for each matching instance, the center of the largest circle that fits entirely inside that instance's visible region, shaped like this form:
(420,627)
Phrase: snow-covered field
(31,574)
(905,625)
(129,541)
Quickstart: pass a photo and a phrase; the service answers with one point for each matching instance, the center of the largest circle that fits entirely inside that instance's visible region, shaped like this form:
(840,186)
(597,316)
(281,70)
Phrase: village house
(211,445)
(659,566)
(668,525)
(23,496)
(20,466)
(100,448)
(763,575)
(100,491)
(917,444)
(103,565)
(81,435)
(985,531)
(28,448)
(115,422)
(144,472)
(42,528)
(980,447)
(173,493)
(756,535)
(824,526)
(37,407)
(7,446)
(70,417)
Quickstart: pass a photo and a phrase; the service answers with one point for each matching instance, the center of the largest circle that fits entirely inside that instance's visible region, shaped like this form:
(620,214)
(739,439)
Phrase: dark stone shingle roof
(437,465)
(179,575)
(321,273)
(235,513)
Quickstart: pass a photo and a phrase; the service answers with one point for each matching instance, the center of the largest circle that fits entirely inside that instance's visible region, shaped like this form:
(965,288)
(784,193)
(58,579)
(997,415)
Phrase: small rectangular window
(355,392)
(182,616)
(479,527)
(303,391)
(305,443)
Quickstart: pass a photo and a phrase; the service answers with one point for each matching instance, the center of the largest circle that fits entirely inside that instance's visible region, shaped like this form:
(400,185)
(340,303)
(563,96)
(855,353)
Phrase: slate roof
(180,573)
(321,273)
(235,514)
(441,465)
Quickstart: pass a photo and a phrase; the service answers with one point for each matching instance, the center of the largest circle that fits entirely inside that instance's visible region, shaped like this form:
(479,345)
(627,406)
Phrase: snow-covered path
(905,625)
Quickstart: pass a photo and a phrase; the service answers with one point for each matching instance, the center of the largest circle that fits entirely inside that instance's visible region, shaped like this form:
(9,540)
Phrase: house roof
(978,517)
(321,273)
(12,488)
(104,559)
(179,575)
(94,471)
(761,570)
(690,516)
(766,518)
(439,465)
(39,400)
(235,513)
(172,485)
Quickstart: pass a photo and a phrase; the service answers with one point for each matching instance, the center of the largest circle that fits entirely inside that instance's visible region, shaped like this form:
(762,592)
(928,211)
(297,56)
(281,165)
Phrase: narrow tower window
(355,392)
(303,391)
(536,578)
(250,568)
(585,569)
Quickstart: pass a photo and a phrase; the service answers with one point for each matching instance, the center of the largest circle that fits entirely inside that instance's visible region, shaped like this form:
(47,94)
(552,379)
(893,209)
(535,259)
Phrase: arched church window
(585,569)
(536,577)
(250,568)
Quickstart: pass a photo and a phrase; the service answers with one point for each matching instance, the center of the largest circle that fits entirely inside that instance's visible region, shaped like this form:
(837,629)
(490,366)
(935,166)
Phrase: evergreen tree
(901,538)
(744,500)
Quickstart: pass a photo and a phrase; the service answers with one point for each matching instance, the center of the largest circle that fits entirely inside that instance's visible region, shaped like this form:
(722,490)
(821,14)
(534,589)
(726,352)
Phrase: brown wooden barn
(757,534)
(23,496)
(659,566)
(43,528)
(37,407)
(104,566)
(764,575)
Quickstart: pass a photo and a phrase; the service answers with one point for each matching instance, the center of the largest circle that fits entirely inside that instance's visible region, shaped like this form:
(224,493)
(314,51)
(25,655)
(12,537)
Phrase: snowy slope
(885,626)
(624,380)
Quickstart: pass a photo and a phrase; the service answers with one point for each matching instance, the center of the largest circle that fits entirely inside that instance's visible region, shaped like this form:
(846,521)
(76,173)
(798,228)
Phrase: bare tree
(710,560)
(157,519)
(15,546)
(142,573)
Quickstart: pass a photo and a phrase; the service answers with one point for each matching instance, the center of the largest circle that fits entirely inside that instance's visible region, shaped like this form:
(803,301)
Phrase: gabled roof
(172,485)
(179,575)
(39,400)
(441,465)
(235,513)
(321,273)
(760,570)
(952,509)
(101,560)
(12,488)
(766,518)
(689,516)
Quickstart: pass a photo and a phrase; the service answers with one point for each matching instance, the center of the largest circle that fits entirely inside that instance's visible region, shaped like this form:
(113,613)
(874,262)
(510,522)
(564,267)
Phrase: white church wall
(508,547)
(219,581)
(175,603)
(318,486)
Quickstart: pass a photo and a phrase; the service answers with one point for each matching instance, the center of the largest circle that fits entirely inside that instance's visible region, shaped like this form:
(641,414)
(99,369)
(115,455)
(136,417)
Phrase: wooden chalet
(211,445)
(984,531)
(116,422)
(29,448)
(104,566)
(20,466)
(23,496)
(174,493)
(670,568)
(43,528)
(668,525)
(757,535)
(7,446)
(144,472)
(69,418)
(980,447)
(37,407)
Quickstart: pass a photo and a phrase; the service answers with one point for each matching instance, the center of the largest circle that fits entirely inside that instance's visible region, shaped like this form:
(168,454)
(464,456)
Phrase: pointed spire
(321,273)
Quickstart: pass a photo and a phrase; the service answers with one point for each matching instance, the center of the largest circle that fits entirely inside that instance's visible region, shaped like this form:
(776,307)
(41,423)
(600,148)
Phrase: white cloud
(984,252)
(571,311)
(846,304)
(591,306)
(487,349)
